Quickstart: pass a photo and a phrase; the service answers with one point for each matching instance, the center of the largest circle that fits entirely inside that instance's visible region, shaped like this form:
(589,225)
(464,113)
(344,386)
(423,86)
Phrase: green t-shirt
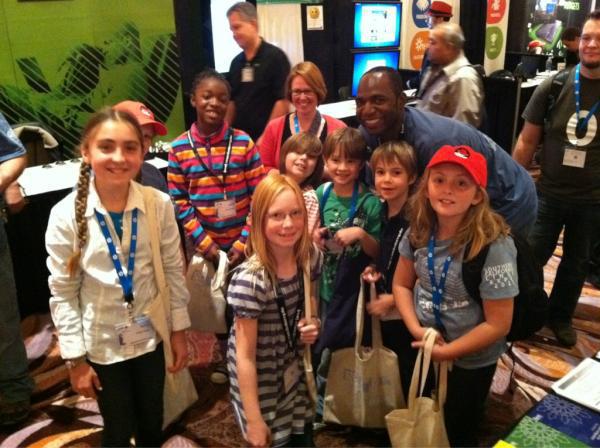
(335,214)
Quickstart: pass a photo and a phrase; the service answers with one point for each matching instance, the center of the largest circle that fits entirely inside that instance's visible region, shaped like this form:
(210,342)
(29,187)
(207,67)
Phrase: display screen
(377,25)
(366,61)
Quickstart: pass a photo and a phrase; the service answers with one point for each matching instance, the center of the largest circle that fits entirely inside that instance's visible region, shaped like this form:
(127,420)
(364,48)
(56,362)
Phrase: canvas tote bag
(363,384)
(207,293)
(179,392)
(422,423)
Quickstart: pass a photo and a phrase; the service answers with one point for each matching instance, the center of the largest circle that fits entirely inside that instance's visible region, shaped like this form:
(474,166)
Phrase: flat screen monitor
(377,25)
(366,61)
(530,64)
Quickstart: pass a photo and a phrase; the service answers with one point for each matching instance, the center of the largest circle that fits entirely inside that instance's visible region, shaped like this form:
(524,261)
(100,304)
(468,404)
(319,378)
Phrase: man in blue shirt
(383,117)
(15,383)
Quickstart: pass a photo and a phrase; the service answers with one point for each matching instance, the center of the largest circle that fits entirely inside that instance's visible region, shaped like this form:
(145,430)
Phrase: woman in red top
(305,88)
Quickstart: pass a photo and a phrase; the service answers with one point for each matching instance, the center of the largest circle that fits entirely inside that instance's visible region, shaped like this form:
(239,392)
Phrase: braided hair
(85,172)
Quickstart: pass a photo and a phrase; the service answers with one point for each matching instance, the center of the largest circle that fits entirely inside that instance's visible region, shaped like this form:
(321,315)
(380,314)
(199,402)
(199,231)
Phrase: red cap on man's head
(440,9)
(142,114)
(465,156)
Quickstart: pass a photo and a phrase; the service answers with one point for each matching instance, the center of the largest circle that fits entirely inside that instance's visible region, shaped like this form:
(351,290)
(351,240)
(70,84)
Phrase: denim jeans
(580,223)
(15,383)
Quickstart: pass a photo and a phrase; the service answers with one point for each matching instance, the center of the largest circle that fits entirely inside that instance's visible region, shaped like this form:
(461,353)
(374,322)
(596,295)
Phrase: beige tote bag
(363,384)
(207,293)
(422,423)
(179,392)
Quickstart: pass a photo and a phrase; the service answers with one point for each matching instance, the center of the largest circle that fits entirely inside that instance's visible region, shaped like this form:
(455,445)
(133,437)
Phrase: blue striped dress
(252,296)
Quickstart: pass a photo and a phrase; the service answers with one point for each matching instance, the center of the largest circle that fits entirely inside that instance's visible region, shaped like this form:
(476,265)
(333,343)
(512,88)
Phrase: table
(44,186)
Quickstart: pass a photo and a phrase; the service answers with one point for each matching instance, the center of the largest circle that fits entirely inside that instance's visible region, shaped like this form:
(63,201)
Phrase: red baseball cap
(440,9)
(465,156)
(142,114)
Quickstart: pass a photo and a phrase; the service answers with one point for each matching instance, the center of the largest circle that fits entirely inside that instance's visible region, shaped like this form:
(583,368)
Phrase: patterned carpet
(62,419)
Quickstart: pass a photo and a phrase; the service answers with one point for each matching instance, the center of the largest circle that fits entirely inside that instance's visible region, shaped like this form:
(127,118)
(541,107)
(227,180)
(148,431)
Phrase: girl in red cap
(452,221)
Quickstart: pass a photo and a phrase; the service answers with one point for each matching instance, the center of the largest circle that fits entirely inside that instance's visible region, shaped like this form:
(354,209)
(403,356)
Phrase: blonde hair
(311,75)
(257,247)
(304,143)
(83,182)
(480,226)
(396,151)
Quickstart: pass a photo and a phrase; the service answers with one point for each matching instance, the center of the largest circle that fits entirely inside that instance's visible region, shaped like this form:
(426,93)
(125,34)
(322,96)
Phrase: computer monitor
(377,25)
(366,61)
(530,64)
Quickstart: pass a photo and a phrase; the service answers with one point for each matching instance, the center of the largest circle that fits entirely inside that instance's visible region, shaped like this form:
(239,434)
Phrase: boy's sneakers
(564,332)
(219,375)
(12,414)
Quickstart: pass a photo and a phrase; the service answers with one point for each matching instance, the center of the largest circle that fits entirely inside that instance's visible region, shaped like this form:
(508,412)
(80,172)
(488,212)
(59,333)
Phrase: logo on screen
(418,46)
(419,13)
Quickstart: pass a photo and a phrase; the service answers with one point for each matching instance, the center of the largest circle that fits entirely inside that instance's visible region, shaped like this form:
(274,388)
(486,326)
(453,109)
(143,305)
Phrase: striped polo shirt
(197,184)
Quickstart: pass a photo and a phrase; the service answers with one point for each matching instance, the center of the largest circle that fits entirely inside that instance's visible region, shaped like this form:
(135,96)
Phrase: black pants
(131,399)
(465,404)
(397,338)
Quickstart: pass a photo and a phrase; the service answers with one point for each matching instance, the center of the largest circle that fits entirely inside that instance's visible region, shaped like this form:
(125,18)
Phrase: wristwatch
(74,362)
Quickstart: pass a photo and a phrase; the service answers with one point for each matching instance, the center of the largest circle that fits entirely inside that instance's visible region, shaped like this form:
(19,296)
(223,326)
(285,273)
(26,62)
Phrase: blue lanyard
(437,293)
(126,280)
(353,203)
(582,122)
(296,124)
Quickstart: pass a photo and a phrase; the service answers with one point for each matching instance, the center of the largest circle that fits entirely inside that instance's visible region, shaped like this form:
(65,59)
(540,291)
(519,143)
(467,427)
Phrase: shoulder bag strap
(308,368)
(153,227)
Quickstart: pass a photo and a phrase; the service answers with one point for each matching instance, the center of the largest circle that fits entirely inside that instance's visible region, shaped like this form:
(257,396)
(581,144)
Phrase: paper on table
(581,384)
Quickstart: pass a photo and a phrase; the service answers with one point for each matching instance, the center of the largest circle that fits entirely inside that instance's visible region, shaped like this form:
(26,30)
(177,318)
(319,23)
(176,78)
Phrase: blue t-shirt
(510,187)
(459,312)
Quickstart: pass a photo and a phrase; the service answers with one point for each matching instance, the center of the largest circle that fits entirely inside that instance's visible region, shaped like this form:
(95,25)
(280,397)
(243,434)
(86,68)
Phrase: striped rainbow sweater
(195,187)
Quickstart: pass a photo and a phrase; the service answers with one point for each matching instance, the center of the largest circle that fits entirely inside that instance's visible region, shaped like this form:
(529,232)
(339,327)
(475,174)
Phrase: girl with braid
(102,281)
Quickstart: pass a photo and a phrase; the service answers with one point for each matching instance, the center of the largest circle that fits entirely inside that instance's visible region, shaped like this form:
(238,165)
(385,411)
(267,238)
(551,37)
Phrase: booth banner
(415,31)
(495,34)
(60,61)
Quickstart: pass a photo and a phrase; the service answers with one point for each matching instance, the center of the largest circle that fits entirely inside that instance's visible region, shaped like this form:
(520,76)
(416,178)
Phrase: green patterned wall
(64,59)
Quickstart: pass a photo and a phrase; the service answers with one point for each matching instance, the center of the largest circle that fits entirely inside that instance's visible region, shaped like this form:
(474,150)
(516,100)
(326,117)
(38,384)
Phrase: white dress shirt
(86,307)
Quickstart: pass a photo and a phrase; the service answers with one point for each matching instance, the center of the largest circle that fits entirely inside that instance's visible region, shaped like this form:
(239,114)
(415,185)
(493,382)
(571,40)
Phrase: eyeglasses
(305,92)
(280,216)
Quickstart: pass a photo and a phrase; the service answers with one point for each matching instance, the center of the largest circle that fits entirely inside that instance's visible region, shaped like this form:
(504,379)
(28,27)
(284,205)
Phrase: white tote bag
(422,422)
(207,293)
(363,384)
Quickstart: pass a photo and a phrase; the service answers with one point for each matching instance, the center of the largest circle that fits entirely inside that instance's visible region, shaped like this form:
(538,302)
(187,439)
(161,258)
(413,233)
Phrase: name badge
(225,208)
(138,331)
(248,74)
(291,376)
(574,157)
